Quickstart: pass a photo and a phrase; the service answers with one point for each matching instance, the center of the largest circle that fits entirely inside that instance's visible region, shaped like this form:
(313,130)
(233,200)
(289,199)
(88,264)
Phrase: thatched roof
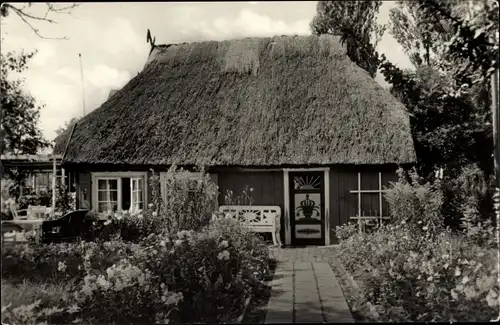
(112,92)
(288,100)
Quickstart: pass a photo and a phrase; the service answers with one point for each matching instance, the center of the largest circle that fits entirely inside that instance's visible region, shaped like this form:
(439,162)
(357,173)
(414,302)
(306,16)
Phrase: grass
(28,292)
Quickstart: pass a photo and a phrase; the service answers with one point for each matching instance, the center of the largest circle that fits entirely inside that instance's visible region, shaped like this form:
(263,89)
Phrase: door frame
(286,190)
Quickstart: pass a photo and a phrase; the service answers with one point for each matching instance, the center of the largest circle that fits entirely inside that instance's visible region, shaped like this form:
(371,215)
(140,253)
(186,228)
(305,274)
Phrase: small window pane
(102,196)
(102,184)
(113,195)
(113,184)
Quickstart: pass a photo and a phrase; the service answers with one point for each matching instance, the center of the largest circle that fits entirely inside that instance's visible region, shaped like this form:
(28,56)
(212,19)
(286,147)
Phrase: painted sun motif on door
(307,182)
(307,206)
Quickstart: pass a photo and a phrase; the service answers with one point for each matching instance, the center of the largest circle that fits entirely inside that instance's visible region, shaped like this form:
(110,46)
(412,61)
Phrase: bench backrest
(253,215)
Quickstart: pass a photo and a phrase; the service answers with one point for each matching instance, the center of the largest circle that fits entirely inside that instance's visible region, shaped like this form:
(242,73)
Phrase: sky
(111,38)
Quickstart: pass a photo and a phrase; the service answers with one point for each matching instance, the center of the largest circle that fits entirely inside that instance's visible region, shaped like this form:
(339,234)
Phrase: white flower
(103,283)
(178,242)
(224,255)
(107,222)
(163,243)
(155,213)
(492,298)
(150,205)
(140,216)
(224,244)
(73,309)
(172,299)
(61,266)
(470,292)
(425,228)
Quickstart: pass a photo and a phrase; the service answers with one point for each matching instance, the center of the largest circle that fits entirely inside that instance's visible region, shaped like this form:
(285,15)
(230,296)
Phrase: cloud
(103,76)
(247,23)
(46,52)
(111,39)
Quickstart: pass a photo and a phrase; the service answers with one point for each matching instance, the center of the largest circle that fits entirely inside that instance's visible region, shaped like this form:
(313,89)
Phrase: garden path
(305,290)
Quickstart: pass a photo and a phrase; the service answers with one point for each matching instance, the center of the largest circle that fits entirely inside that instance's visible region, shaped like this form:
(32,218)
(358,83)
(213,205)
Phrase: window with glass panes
(137,195)
(119,191)
(107,194)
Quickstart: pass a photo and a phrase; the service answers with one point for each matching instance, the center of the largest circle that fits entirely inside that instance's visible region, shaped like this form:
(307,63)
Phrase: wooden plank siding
(344,204)
(267,189)
(83,190)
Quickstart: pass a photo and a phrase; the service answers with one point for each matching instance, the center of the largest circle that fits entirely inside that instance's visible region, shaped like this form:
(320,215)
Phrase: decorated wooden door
(307,208)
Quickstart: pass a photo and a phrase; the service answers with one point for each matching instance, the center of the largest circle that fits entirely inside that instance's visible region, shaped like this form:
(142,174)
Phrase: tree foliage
(355,22)
(66,126)
(448,92)
(20,113)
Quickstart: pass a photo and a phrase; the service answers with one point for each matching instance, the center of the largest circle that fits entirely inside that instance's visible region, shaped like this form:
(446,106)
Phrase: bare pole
(83,89)
(496,154)
(54,179)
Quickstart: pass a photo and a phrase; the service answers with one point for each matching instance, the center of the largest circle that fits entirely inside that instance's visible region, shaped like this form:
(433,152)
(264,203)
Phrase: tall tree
(355,22)
(448,93)
(19,132)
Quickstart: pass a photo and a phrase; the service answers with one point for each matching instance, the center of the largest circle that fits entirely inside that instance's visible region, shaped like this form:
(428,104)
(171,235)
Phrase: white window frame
(118,175)
(134,206)
(107,190)
(360,192)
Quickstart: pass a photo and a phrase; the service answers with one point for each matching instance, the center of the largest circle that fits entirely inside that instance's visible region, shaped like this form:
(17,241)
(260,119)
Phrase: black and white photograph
(250,162)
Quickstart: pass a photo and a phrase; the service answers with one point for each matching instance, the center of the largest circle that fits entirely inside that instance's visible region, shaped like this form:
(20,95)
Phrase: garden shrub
(415,203)
(187,276)
(43,199)
(64,199)
(187,205)
(412,271)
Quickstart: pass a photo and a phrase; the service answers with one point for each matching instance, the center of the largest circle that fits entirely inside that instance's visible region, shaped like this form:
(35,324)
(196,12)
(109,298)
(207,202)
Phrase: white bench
(256,218)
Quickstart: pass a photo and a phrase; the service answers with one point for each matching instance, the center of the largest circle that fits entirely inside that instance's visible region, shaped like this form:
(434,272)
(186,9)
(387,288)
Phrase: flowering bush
(65,202)
(187,203)
(185,276)
(416,204)
(414,269)
(43,199)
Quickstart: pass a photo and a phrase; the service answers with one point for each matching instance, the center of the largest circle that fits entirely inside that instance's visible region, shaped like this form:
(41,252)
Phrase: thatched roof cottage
(285,115)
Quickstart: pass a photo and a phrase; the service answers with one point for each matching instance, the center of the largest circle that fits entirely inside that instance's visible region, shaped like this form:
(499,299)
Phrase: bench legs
(276,238)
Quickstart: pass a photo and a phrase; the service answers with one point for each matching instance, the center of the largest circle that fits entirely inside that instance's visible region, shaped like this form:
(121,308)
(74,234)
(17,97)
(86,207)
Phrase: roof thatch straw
(288,100)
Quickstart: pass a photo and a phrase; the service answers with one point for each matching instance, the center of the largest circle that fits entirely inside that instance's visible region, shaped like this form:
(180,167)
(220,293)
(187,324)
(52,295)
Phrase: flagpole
(83,89)
(496,154)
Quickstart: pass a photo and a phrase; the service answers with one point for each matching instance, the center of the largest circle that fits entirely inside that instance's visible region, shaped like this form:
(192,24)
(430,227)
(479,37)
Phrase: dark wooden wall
(267,188)
(344,204)
(84,190)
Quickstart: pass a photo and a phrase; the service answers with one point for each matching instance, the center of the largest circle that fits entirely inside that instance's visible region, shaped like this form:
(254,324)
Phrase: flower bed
(415,269)
(203,276)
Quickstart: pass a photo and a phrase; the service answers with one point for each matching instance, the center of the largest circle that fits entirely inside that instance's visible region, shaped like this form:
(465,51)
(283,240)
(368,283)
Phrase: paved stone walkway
(305,290)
